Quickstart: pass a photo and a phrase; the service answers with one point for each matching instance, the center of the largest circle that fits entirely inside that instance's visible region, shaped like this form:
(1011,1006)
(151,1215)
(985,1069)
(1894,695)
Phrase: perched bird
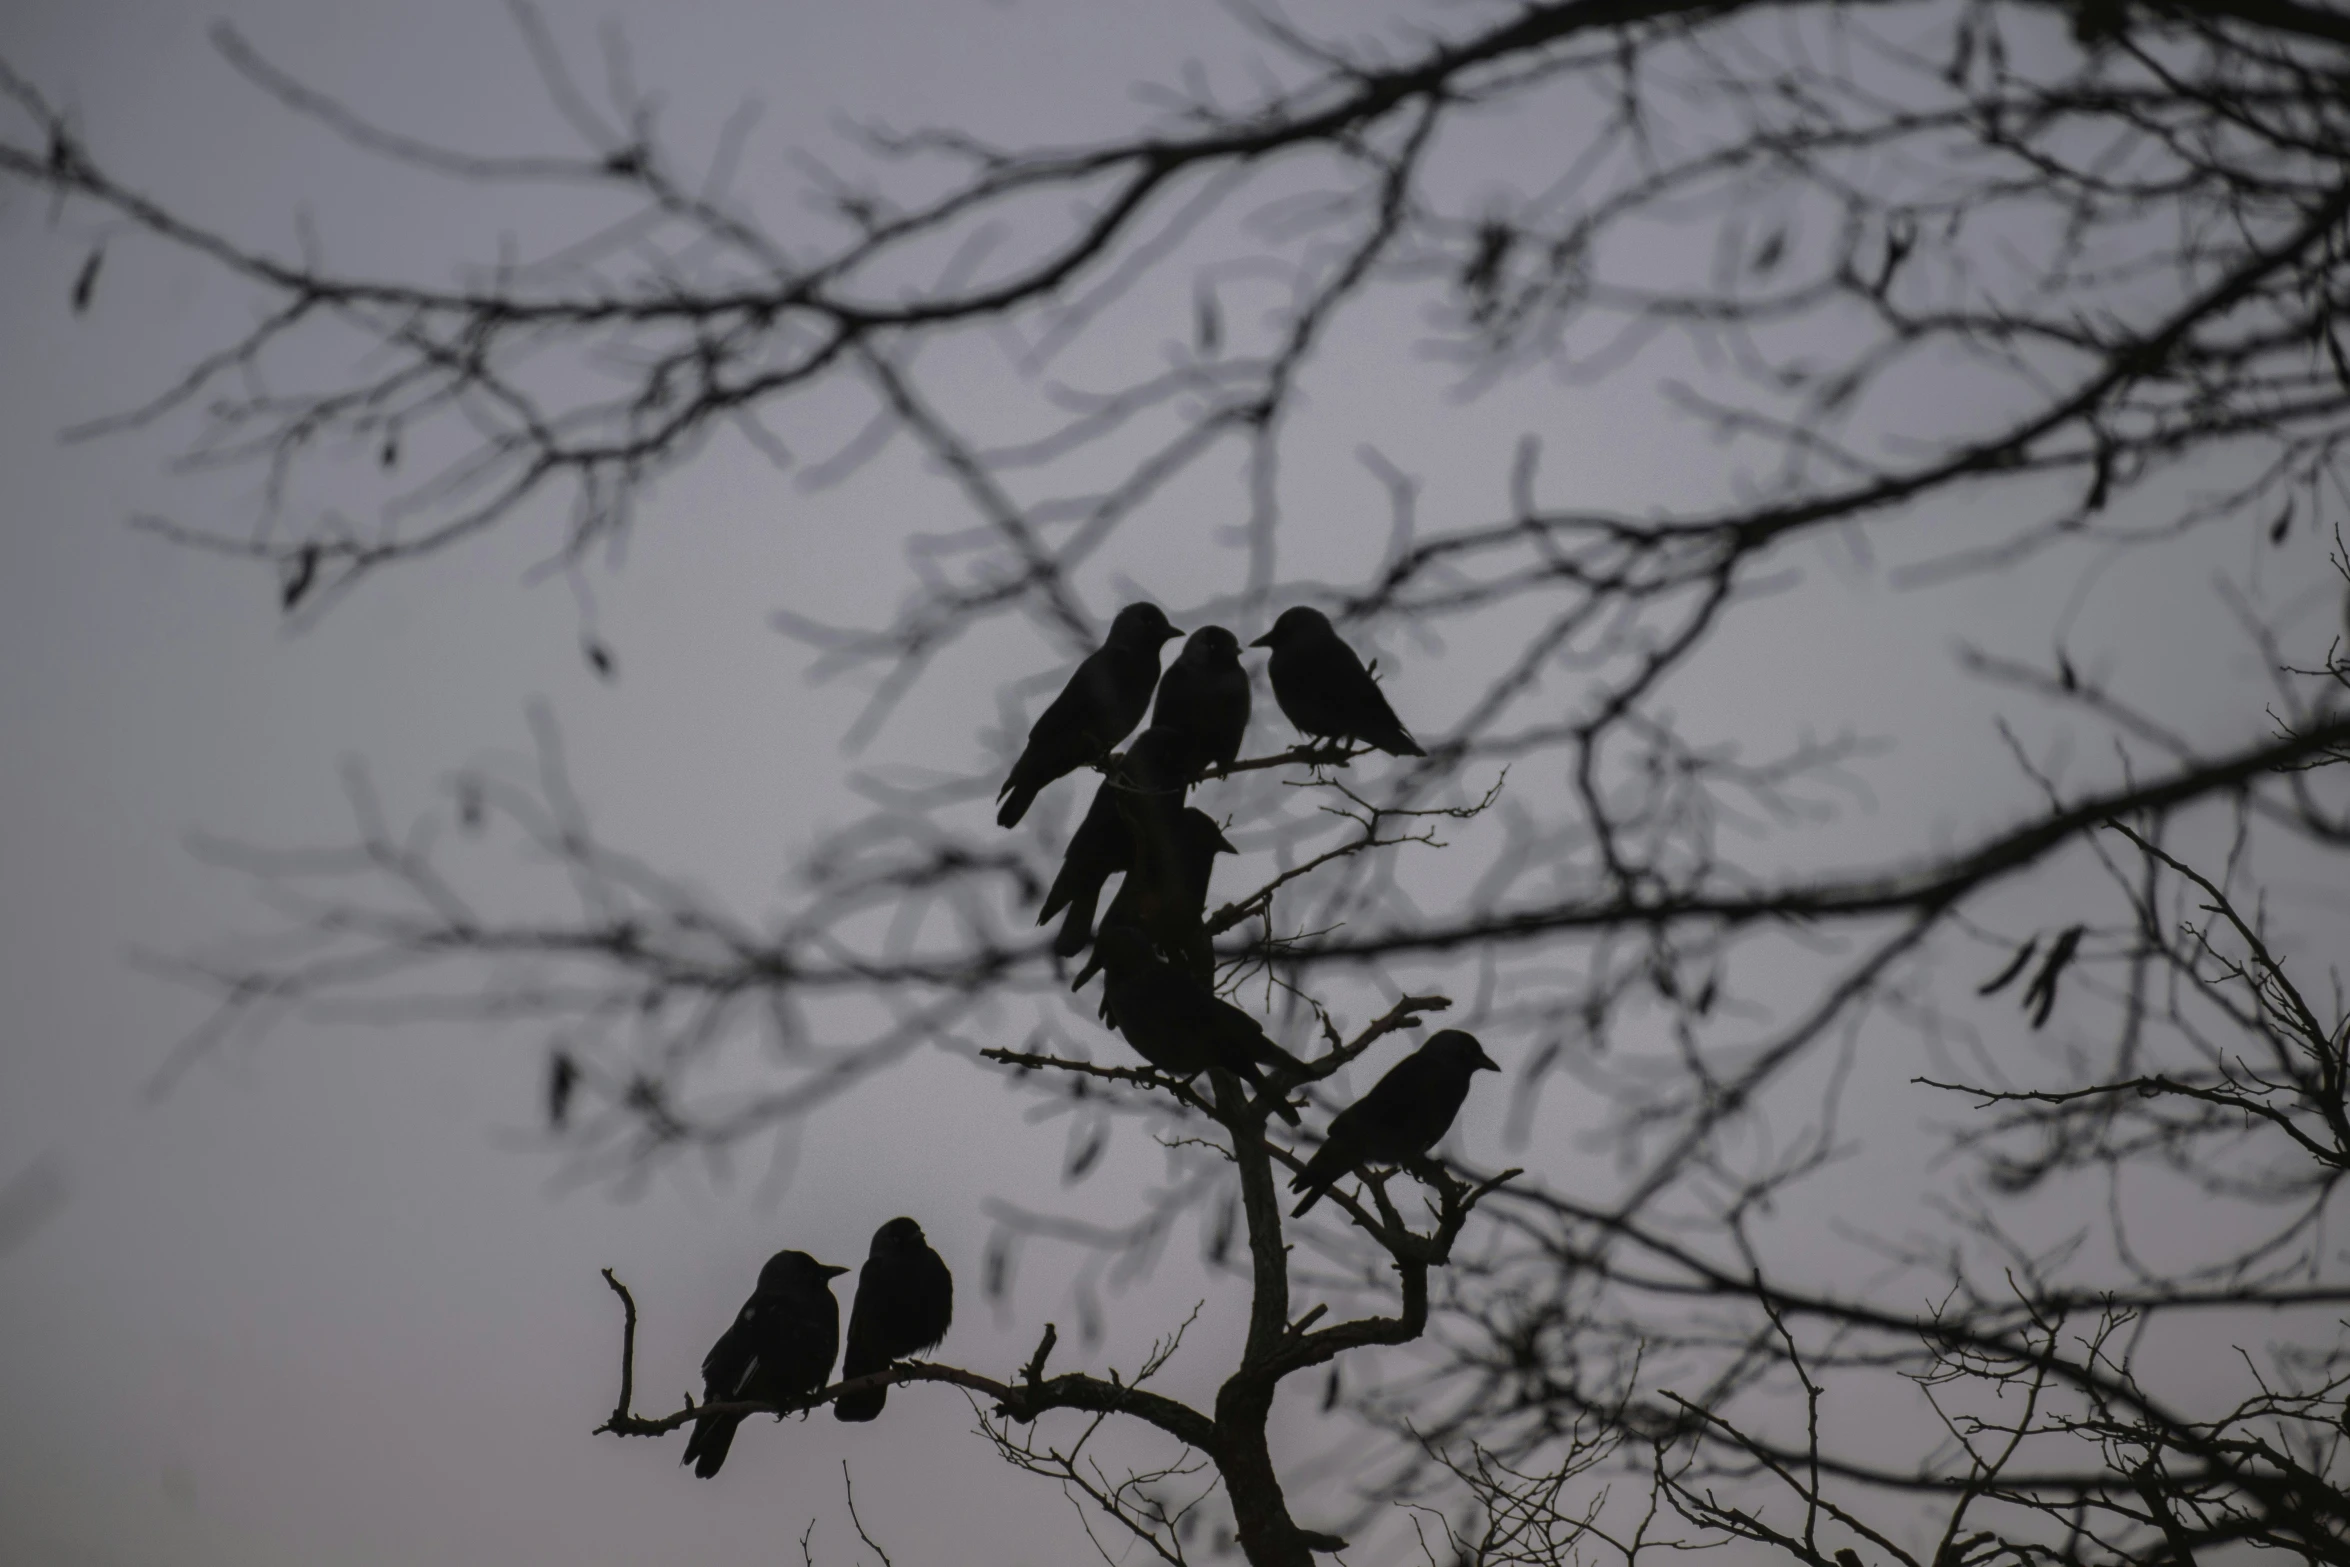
(1325,690)
(905,1299)
(1099,707)
(1403,1116)
(781,1346)
(1099,849)
(1171,912)
(1140,801)
(1152,778)
(1205,694)
(1179,1025)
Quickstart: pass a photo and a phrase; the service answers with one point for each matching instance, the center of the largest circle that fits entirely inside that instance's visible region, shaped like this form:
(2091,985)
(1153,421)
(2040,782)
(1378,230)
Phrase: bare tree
(2084,1394)
(1282,1343)
(2076,267)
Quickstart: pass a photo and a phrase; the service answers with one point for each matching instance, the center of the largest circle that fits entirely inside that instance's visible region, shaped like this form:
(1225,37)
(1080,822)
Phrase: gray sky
(321,1303)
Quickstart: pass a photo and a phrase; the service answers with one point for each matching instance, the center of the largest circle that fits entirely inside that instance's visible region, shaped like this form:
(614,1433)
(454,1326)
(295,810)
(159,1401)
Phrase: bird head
(796,1269)
(900,1234)
(1141,625)
(1203,836)
(1296,622)
(1460,1046)
(1212,646)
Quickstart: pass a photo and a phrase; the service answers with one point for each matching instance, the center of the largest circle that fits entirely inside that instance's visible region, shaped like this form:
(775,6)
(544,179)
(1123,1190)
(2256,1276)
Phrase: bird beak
(830,1271)
(1224,845)
(1485,1063)
(1264,641)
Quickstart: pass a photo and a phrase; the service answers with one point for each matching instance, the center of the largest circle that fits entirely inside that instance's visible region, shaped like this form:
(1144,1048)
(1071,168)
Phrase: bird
(780,1346)
(1099,707)
(1323,687)
(1152,778)
(1403,1116)
(1140,800)
(1179,1025)
(1100,848)
(1170,911)
(905,1300)
(1205,693)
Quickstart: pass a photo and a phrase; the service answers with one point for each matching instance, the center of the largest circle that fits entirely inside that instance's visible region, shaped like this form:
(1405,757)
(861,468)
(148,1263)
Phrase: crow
(1152,778)
(1140,802)
(1172,913)
(905,1299)
(1099,849)
(1099,707)
(1403,1116)
(1179,1025)
(1325,690)
(1205,694)
(781,1346)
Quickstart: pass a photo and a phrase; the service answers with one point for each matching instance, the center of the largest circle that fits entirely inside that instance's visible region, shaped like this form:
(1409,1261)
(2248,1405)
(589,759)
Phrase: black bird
(1139,801)
(1179,1025)
(1172,913)
(1205,694)
(905,1299)
(1099,707)
(1152,777)
(781,1346)
(1403,1116)
(1100,848)
(1325,690)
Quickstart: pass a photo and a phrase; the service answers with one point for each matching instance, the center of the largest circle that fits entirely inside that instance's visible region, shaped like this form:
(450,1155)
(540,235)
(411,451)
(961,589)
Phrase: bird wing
(732,1362)
(1077,726)
(1100,847)
(1241,1028)
(865,1352)
(803,1340)
(1337,1154)
(939,1294)
(1407,1110)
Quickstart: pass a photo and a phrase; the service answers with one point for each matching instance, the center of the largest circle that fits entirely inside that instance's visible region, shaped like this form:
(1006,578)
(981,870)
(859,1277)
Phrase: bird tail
(1077,929)
(860,1406)
(1320,1174)
(706,1448)
(1285,1066)
(1018,796)
(1397,742)
(1248,1072)
(864,1405)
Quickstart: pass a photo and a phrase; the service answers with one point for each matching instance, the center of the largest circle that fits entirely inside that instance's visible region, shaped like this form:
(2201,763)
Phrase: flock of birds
(1157,966)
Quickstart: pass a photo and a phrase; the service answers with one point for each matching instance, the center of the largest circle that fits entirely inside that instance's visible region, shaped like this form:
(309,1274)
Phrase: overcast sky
(324,1301)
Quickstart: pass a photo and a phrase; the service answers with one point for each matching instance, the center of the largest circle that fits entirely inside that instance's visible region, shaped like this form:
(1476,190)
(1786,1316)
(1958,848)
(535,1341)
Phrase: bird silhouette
(1171,910)
(1205,694)
(1323,687)
(1100,848)
(780,1346)
(1135,818)
(1404,1115)
(905,1300)
(1099,707)
(1152,778)
(1179,1025)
